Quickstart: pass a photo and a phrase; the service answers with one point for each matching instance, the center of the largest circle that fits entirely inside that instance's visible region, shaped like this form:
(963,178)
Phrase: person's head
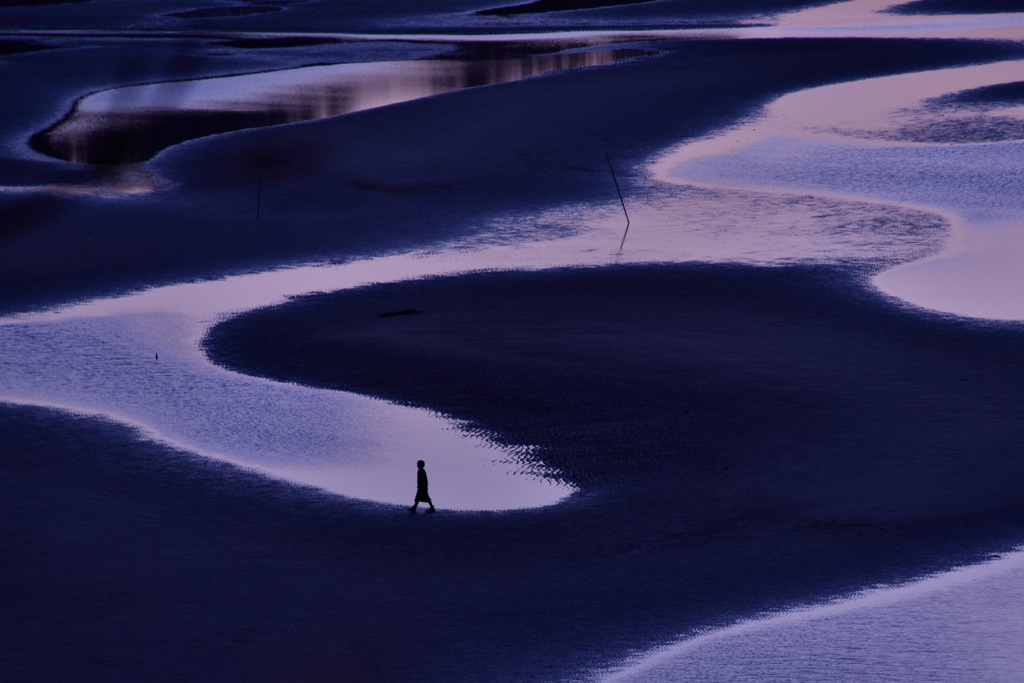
(420,464)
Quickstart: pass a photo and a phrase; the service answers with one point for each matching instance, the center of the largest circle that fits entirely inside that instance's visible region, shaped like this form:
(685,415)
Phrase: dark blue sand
(742,439)
(13,47)
(1001,94)
(967,117)
(700,8)
(667,374)
(556,6)
(118,138)
(395,178)
(959,7)
(387,16)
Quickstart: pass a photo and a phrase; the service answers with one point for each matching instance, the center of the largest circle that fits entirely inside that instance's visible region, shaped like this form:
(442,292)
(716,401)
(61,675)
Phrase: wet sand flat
(781,416)
(740,438)
(781,392)
(863,444)
(417,173)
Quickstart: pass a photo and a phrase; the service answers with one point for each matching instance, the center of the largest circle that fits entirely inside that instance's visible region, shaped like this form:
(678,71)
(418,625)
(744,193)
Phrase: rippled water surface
(963,626)
(815,188)
(145,369)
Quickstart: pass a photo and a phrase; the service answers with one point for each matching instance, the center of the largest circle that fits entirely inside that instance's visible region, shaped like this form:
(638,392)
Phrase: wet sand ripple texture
(814,437)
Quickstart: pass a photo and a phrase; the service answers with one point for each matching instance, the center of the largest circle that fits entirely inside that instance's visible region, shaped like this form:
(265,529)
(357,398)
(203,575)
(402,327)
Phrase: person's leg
(431,503)
(414,506)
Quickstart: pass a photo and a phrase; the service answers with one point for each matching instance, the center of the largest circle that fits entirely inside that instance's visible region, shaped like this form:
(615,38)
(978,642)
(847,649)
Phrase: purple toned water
(100,357)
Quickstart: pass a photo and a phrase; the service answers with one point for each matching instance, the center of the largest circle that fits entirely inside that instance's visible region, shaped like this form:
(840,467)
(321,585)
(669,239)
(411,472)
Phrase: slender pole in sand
(259,191)
(620,200)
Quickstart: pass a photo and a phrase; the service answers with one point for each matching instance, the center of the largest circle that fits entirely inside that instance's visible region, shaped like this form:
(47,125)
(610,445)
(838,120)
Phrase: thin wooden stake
(259,192)
(620,200)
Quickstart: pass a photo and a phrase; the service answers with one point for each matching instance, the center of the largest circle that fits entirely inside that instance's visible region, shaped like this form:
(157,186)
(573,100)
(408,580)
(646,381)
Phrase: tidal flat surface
(962,625)
(131,124)
(208,424)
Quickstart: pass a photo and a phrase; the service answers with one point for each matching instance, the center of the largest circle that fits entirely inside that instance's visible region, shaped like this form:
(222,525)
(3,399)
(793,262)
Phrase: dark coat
(421,487)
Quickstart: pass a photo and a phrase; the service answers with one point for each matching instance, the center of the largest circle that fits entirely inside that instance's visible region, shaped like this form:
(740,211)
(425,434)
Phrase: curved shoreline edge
(127,556)
(770,413)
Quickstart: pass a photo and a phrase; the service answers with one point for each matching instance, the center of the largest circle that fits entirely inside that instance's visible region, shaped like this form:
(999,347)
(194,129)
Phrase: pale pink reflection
(977,273)
(870,18)
(962,625)
(840,14)
(361,447)
(131,124)
(874,109)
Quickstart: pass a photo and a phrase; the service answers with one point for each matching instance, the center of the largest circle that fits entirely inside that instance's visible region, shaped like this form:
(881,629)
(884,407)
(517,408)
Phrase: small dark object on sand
(406,311)
(621,201)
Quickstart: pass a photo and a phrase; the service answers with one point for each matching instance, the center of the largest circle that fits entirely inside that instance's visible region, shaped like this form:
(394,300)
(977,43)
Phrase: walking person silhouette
(421,488)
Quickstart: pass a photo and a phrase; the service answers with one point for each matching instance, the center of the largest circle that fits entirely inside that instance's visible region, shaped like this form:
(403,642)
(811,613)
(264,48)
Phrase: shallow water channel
(137,359)
(964,625)
(132,124)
